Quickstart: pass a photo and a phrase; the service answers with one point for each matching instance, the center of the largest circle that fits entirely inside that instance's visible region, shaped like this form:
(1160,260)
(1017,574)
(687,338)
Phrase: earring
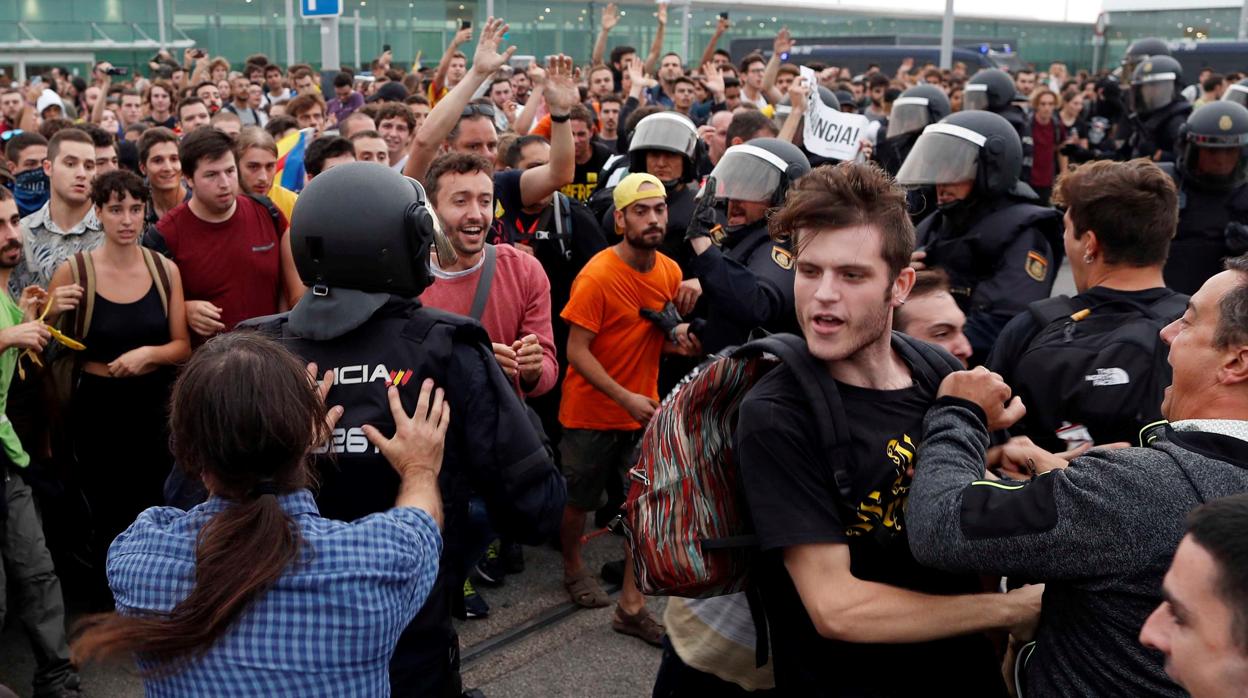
(1087,259)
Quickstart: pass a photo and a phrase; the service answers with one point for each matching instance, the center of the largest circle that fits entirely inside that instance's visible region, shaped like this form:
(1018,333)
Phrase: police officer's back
(1000,248)
(746,277)
(361,238)
(1211,170)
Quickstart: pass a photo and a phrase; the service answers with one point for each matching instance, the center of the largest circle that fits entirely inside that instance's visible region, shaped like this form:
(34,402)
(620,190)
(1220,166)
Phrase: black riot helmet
(916,109)
(967,145)
(1155,83)
(1138,51)
(1237,93)
(760,170)
(666,131)
(785,106)
(846,98)
(990,89)
(365,227)
(1217,133)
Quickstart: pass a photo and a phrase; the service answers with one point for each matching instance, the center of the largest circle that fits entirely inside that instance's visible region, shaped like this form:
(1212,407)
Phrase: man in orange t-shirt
(612,385)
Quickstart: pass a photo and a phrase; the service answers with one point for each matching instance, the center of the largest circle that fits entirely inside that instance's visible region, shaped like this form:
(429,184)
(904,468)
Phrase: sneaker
(491,571)
(513,558)
(474,604)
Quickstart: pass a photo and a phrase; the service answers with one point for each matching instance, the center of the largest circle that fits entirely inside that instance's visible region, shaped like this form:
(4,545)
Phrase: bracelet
(559,119)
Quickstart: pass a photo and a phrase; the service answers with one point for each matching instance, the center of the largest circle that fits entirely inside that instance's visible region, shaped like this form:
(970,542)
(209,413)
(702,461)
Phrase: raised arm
(610,17)
(442,119)
(791,131)
(537,96)
(561,94)
(783,44)
(709,54)
(652,59)
(462,37)
(101,79)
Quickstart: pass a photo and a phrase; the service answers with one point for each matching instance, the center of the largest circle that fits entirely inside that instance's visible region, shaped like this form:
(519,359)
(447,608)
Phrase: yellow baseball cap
(626,192)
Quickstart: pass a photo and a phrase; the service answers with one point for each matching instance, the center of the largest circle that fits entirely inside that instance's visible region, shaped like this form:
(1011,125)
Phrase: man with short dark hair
(932,315)
(105,148)
(609,122)
(240,103)
(846,604)
(130,109)
(327,152)
(753,68)
(748,125)
(67,223)
(1025,81)
(192,114)
(503,99)
(369,146)
(211,94)
(1201,625)
(308,109)
(346,100)
(397,125)
(227,245)
(590,156)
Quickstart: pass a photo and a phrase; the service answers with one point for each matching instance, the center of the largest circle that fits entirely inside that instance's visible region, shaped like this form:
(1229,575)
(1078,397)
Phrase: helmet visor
(1215,168)
(909,114)
(975,97)
(748,173)
(1153,95)
(944,154)
(665,131)
(1237,94)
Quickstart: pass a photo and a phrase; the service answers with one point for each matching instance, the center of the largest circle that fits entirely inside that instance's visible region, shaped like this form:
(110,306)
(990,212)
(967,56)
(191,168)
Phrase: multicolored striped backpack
(686,518)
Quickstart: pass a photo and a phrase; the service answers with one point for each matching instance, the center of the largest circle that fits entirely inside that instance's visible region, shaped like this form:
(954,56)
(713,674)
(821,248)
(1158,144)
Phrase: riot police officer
(1139,51)
(1160,110)
(746,278)
(916,109)
(361,238)
(1000,248)
(1210,171)
(666,145)
(993,90)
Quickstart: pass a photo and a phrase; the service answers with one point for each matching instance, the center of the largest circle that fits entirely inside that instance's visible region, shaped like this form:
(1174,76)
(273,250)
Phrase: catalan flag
(290,152)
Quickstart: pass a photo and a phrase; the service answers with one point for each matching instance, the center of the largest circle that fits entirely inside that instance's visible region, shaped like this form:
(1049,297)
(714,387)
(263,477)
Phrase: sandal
(585,592)
(641,625)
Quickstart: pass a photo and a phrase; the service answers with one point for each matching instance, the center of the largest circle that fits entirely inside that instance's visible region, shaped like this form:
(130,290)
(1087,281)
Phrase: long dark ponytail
(244,416)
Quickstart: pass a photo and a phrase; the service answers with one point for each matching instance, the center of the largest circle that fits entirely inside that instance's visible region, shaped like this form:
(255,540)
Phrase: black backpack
(1103,368)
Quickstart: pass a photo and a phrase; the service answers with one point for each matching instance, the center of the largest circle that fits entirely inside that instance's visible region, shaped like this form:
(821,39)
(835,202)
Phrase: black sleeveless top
(116,328)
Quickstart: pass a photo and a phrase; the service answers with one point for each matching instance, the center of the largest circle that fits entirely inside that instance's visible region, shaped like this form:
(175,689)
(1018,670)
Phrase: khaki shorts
(590,457)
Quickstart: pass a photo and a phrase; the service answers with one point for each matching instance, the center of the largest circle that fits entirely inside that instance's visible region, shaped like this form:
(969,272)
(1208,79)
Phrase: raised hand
(662,15)
(610,17)
(487,59)
(722,25)
(784,41)
(561,90)
(713,79)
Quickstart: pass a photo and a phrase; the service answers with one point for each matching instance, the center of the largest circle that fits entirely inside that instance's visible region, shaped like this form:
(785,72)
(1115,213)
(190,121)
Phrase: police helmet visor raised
(665,131)
(748,173)
(975,97)
(1237,94)
(909,115)
(944,154)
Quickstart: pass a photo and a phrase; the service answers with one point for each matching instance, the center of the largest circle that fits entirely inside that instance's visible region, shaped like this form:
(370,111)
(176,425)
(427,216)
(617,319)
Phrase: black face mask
(958,213)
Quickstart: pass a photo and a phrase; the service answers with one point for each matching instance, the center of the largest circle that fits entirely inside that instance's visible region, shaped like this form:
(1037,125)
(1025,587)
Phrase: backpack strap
(928,363)
(1169,306)
(274,213)
(482,296)
(156,267)
(1047,311)
(82,270)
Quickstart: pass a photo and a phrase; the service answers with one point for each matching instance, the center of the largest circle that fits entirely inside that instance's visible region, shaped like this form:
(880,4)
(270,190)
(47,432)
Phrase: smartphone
(36,80)
(199,53)
(465,24)
(118,71)
(723,15)
(385,48)
(521,62)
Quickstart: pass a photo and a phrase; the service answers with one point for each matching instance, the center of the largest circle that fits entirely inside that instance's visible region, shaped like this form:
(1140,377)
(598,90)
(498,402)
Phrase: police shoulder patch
(1037,265)
(782,257)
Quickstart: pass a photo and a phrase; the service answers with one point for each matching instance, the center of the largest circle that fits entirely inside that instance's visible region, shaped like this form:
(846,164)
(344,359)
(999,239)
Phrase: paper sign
(829,132)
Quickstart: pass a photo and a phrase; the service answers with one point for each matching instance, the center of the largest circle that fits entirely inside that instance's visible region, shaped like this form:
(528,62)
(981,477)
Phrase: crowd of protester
(998,523)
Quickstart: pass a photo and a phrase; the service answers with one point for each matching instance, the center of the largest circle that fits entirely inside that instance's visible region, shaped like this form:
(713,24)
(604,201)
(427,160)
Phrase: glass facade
(237,28)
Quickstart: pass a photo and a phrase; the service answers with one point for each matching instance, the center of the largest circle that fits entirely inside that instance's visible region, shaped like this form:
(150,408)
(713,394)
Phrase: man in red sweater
(508,292)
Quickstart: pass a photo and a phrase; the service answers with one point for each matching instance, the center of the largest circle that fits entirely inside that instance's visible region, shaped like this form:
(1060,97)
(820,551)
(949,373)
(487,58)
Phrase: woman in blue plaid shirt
(252,592)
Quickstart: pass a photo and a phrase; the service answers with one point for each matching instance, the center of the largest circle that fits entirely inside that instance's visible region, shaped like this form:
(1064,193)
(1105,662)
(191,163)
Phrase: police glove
(666,319)
(1236,238)
(703,223)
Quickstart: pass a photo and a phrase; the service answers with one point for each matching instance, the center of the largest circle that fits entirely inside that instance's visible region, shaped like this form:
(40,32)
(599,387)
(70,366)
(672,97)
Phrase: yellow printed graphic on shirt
(881,512)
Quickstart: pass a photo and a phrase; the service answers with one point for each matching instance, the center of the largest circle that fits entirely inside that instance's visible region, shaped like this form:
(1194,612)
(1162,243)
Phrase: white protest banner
(829,132)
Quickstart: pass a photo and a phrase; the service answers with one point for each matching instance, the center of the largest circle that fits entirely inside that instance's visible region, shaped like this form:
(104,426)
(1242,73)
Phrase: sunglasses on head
(477,110)
(7,135)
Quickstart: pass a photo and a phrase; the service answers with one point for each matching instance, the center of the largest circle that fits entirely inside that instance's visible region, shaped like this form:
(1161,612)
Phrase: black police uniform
(1003,257)
(1200,243)
(1156,135)
(491,449)
(747,283)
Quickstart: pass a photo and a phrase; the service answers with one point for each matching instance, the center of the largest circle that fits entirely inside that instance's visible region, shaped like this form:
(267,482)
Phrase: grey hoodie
(1100,534)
